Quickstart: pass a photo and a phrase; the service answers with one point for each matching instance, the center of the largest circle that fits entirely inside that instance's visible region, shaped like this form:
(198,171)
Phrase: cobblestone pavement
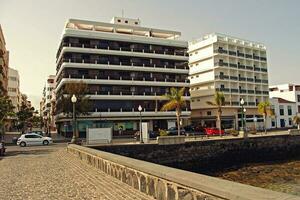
(51,173)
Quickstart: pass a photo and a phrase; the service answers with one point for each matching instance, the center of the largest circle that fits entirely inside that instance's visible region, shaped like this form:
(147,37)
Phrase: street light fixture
(74,100)
(140,110)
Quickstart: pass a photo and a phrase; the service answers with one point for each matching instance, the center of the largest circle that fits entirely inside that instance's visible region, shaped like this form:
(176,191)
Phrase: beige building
(234,66)
(4,58)
(14,88)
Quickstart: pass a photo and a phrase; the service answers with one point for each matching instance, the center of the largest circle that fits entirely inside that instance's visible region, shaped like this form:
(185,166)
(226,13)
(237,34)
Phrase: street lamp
(242,104)
(140,110)
(74,100)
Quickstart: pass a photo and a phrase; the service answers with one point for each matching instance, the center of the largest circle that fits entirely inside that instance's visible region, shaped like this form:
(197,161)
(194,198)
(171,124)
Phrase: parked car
(2,149)
(214,131)
(33,139)
(153,134)
(173,131)
(189,128)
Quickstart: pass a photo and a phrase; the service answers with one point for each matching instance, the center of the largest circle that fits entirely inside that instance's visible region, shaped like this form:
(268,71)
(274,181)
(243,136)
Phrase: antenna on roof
(122,12)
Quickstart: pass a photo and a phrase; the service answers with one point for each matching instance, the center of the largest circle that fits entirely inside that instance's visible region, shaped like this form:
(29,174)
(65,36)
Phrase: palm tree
(175,101)
(264,108)
(296,120)
(219,101)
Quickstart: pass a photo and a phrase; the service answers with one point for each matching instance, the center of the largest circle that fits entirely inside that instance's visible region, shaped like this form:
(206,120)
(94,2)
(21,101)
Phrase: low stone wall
(169,140)
(167,183)
(211,156)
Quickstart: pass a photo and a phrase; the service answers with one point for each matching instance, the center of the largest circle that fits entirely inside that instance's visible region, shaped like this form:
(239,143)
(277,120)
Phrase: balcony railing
(242,79)
(241,54)
(220,51)
(243,91)
(263,70)
(250,91)
(250,79)
(233,65)
(256,69)
(265,92)
(234,90)
(232,53)
(263,58)
(221,64)
(257,80)
(255,57)
(235,103)
(258,92)
(117,48)
(264,81)
(249,67)
(233,78)
(222,89)
(248,55)
(251,103)
(241,66)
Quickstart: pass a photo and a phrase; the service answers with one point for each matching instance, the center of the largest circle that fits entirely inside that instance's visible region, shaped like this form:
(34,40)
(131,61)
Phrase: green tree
(264,108)
(6,110)
(296,120)
(175,101)
(25,114)
(219,102)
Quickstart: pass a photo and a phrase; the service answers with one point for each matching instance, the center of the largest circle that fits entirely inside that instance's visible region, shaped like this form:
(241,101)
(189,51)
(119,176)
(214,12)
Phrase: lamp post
(74,100)
(242,104)
(140,110)
(245,131)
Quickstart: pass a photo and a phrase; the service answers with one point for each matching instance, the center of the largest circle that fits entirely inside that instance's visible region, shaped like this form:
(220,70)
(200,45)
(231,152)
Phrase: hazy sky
(32,29)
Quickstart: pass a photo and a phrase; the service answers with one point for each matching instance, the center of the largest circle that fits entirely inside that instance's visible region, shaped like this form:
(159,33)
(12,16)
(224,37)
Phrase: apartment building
(4,62)
(125,65)
(46,105)
(288,91)
(14,88)
(236,67)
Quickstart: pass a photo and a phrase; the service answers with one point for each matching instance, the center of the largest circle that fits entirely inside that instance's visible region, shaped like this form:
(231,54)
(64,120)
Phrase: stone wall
(167,183)
(213,155)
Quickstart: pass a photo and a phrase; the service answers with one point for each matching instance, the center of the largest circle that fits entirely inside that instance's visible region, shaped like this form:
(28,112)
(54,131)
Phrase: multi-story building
(125,65)
(47,102)
(234,66)
(288,91)
(14,88)
(4,58)
(283,113)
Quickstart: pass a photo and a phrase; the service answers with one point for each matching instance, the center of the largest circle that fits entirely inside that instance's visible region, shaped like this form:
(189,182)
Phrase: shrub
(163,133)
(233,132)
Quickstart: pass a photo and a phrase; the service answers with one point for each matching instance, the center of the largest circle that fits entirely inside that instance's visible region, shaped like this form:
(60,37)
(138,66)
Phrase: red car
(213,131)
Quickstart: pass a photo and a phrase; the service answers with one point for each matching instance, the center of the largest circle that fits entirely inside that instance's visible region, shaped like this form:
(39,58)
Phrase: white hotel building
(125,65)
(234,66)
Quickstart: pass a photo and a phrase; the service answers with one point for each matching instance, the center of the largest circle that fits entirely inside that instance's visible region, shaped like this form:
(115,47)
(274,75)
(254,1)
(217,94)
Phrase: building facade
(46,104)
(14,88)
(236,67)
(290,92)
(4,63)
(283,113)
(125,65)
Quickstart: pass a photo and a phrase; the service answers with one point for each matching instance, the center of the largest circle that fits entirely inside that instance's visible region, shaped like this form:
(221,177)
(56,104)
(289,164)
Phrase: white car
(33,139)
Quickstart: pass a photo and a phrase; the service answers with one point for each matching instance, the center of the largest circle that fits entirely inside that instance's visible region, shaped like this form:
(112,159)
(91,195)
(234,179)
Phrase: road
(49,172)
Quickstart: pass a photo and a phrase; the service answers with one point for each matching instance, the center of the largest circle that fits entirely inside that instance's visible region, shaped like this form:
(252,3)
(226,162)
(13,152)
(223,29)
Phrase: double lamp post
(243,118)
(74,100)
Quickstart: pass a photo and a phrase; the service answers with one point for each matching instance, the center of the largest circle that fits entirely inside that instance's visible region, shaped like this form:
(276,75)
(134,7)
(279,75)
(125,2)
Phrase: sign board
(98,135)
(145,134)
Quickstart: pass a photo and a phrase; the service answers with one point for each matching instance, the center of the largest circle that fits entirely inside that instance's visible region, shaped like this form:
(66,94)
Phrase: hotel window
(208,112)
(273,123)
(289,110)
(298,97)
(126,21)
(281,110)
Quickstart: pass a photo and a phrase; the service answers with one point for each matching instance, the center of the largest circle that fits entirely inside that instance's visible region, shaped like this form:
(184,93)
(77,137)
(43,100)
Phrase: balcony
(240,54)
(242,91)
(264,81)
(248,56)
(258,92)
(222,77)
(220,51)
(265,92)
(233,65)
(251,103)
(222,89)
(263,58)
(257,80)
(249,68)
(255,57)
(241,66)
(118,48)
(242,79)
(235,103)
(221,64)
(263,70)
(257,69)
(235,78)
(234,90)
(250,91)
(232,53)
(250,80)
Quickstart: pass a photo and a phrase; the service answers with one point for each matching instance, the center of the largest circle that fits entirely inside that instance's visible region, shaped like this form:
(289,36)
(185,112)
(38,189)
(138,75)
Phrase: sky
(33,28)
